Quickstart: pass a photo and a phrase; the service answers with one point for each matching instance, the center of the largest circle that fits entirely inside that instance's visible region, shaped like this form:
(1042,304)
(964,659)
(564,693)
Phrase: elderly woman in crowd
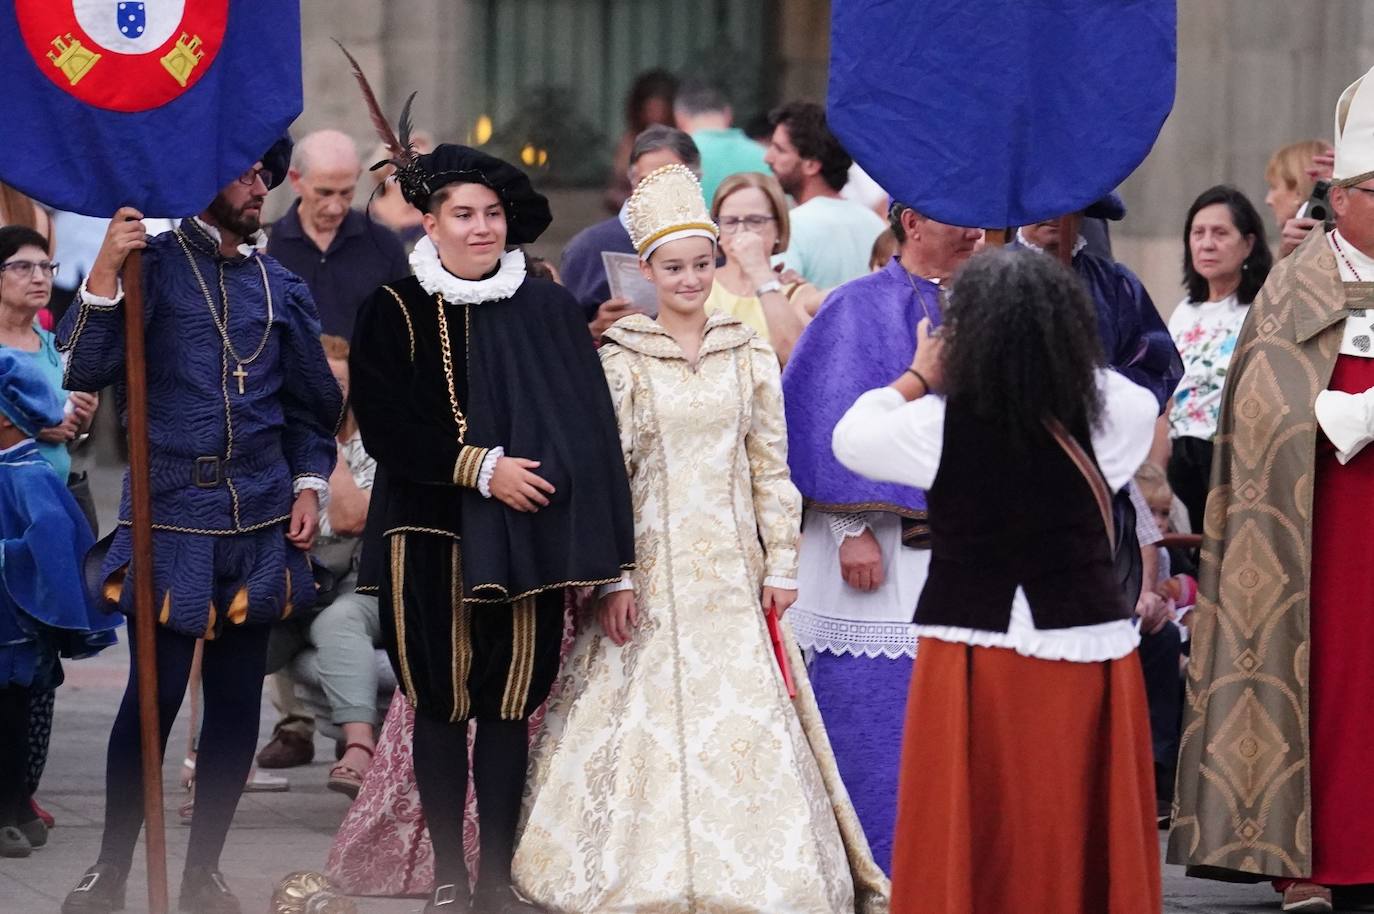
(752,214)
(1019,437)
(1225,262)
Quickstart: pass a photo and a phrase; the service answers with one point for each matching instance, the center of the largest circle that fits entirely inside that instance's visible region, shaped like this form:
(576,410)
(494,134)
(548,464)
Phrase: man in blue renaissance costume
(44,609)
(864,553)
(242,411)
(1135,339)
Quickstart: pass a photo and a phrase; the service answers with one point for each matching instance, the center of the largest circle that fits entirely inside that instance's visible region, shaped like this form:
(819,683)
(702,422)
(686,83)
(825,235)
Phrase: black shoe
(100,891)
(449,899)
(13,843)
(204,891)
(35,831)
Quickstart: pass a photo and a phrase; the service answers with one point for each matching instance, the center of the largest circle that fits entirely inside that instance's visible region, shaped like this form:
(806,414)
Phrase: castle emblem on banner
(124,55)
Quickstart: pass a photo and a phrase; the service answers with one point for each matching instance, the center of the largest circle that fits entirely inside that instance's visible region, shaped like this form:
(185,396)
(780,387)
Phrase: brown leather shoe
(287,750)
(1308,898)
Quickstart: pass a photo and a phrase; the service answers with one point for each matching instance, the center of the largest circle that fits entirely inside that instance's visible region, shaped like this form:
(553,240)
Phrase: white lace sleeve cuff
(488,469)
(316,484)
(781,583)
(623,584)
(844,526)
(1346,421)
(99,301)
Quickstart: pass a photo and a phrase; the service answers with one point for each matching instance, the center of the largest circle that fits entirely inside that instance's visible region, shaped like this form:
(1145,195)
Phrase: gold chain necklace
(446,349)
(222,323)
(920,300)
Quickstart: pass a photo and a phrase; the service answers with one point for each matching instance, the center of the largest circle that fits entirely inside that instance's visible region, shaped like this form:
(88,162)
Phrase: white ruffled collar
(255,243)
(424,260)
(1079,244)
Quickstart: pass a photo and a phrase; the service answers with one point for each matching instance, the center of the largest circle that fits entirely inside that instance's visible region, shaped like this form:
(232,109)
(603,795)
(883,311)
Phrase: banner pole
(145,623)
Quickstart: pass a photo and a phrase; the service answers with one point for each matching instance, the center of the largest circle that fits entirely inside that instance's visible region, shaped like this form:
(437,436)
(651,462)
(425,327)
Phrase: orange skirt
(1027,785)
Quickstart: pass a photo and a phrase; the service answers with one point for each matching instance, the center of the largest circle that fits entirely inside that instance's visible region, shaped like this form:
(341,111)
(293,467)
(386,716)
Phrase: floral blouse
(1205,334)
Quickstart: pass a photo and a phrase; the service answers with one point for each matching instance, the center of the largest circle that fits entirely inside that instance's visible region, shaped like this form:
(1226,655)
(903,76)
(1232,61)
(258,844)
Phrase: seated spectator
(582,268)
(649,104)
(885,247)
(703,112)
(752,214)
(1292,172)
(347,630)
(1225,262)
(832,237)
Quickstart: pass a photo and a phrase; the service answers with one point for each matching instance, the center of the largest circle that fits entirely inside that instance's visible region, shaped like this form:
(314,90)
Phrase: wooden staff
(145,624)
(1068,235)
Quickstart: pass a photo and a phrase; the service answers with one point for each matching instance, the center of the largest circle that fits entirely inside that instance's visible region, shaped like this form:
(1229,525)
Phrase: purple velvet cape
(863,337)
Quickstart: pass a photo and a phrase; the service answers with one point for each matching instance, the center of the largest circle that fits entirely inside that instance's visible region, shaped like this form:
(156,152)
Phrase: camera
(1318,206)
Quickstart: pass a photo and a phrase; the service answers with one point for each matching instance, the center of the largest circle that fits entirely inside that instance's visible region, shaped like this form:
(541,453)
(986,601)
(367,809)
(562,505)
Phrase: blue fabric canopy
(1000,112)
(152,105)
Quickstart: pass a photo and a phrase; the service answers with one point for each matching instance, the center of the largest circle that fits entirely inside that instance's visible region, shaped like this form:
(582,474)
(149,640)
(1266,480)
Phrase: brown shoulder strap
(1091,473)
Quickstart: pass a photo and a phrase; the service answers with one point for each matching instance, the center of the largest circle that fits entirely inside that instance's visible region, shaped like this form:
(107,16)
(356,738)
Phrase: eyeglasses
(250,177)
(731,224)
(1363,190)
(24,268)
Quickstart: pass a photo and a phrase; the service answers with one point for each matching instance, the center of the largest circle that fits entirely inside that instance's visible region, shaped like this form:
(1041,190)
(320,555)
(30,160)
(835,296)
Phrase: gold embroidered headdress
(668,205)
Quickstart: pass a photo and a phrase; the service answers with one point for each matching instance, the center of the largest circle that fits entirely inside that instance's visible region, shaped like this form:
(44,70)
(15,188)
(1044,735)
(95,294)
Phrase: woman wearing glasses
(26,277)
(752,214)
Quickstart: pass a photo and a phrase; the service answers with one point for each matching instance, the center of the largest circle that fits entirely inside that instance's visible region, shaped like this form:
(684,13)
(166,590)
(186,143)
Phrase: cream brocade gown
(674,774)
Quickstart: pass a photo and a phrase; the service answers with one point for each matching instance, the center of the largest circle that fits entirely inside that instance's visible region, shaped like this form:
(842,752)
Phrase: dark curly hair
(806,127)
(1022,345)
(1247,220)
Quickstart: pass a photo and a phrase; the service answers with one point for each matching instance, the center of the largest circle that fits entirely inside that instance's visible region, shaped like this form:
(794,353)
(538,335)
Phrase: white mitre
(1355,133)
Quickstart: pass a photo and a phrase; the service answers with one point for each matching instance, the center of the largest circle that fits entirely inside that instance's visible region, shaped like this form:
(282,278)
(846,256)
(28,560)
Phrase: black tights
(500,756)
(14,755)
(231,679)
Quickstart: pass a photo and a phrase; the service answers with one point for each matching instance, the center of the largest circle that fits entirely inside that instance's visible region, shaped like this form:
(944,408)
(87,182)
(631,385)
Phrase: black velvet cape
(527,379)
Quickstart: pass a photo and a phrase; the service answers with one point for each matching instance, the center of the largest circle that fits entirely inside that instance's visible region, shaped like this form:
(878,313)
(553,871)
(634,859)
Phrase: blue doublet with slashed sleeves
(225,459)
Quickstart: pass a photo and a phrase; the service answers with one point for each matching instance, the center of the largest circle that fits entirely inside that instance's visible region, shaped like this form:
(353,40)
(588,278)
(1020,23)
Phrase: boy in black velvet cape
(500,483)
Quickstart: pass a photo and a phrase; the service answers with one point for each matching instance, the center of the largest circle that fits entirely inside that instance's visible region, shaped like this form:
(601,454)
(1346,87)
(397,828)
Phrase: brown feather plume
(399,148)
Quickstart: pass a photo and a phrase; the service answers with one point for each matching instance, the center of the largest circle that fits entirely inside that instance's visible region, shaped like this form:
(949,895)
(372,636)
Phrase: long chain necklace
(446,351)
(222,322)
(1340,249)
(920,299)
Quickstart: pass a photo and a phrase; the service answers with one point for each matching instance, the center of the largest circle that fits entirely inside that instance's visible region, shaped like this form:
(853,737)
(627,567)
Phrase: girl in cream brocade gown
(674,774)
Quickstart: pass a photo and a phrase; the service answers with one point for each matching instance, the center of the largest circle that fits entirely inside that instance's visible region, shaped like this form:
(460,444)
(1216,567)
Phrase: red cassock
(1342,658)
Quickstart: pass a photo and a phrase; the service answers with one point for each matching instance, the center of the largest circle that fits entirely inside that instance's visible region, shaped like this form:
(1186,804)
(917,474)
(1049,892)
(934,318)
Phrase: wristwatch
(771,286)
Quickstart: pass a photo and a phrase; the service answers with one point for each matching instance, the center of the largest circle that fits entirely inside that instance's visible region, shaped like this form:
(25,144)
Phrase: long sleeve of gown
(777,503)
(383,375)
(312,403)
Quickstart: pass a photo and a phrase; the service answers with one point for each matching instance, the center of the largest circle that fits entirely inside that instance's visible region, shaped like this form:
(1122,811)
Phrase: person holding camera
(1299,176)
(1225,262)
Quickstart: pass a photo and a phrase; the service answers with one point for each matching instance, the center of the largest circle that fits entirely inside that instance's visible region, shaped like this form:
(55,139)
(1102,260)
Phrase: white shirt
(884,437)
(1205,334)
(831,240)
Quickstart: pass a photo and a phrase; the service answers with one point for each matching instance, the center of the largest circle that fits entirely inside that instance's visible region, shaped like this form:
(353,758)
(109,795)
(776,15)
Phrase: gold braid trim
(253,528)
(410,328)
(502,595)
(469,466)
(430,530)
(521,660)
(460,636)
(398,612)
(446,352)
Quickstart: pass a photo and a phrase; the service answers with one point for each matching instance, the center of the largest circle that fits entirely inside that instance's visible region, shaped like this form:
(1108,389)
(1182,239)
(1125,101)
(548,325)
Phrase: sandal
(346,779)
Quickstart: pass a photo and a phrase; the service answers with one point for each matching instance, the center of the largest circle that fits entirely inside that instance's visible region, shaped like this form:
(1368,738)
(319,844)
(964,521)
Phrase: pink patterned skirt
(382,847)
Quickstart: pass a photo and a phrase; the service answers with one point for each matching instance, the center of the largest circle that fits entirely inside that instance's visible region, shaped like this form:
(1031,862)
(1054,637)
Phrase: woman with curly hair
(1027,781)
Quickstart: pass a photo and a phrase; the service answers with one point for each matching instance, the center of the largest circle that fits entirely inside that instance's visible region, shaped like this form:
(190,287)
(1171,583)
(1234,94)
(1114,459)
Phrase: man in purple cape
(863,554)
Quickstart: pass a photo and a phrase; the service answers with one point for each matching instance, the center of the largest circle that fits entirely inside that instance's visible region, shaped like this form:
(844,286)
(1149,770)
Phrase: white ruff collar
(1079,244)
(255,243)
(424,260)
